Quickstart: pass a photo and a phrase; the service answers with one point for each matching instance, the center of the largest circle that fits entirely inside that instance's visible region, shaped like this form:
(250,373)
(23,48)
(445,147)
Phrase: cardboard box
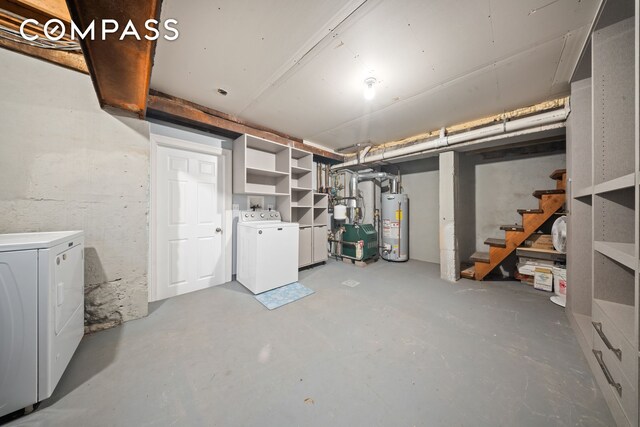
(543,279)
(527,266)
(523,278)
(540,241)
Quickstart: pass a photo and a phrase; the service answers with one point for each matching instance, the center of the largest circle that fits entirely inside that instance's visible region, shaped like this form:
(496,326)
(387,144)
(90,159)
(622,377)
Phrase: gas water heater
(395,227)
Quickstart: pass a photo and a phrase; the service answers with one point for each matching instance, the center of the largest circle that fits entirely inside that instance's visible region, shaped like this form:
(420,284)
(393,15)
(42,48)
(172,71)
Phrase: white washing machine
(267,251)
(41,313)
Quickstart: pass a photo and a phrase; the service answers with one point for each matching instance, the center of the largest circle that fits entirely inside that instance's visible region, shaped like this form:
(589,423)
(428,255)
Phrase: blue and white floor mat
(283,295)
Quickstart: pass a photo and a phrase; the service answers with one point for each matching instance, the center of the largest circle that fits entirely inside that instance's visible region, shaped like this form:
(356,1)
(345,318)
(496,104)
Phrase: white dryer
(41,313)
(267,251)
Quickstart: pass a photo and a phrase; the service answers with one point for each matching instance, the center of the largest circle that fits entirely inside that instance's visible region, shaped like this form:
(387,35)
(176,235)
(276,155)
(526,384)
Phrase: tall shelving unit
(604,235)
(260,167)
(300,207)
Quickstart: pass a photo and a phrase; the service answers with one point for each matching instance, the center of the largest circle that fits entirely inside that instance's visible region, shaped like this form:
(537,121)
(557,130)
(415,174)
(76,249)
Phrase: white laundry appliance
(267,251)
(41,313)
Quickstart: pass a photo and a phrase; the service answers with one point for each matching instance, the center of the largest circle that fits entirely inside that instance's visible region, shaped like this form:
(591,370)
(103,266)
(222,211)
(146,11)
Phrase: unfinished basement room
(319,213)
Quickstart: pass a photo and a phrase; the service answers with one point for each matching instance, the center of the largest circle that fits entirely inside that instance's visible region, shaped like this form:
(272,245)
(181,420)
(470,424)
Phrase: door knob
(218,230)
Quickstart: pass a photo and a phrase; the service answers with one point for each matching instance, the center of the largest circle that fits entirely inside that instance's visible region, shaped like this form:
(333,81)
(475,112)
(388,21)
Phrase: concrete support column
(449,254)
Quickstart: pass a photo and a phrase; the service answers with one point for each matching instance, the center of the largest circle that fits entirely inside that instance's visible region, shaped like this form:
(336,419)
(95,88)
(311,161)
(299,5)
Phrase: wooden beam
(73,61)
(179,111)
(55,8)
(120,69)
(222,115)
(462,127)
(12,13)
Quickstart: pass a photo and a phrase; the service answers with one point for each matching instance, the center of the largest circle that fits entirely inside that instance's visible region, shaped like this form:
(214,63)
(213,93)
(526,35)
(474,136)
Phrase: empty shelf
(265,172)
(583,192)
(624,253)
(615,184)
(296,169)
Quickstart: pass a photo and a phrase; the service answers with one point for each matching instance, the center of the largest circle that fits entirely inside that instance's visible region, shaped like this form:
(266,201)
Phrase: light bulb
(369,88)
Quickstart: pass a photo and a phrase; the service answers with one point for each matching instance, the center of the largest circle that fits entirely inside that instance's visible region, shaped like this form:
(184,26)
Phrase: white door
(190,251)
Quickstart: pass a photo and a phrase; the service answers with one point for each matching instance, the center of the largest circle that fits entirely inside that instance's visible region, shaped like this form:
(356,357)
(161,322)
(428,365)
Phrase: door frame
(225,165)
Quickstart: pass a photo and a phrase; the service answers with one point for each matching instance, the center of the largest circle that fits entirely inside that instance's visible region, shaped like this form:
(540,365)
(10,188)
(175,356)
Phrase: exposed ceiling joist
(57,8)
(12,15)
(73,61)
(485,121)
(120,69)
(179,111)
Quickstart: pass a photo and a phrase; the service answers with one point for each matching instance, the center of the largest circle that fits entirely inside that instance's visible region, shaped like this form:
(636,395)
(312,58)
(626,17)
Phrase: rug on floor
(283,295)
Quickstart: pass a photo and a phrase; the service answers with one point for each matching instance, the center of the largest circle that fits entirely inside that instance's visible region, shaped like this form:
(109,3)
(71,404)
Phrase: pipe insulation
(506,127)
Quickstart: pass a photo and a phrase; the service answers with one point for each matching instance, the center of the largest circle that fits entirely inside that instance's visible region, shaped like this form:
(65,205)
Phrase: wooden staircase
(532,219)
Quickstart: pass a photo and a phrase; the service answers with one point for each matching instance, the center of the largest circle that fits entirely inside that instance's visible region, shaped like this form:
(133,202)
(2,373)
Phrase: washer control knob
(261,215)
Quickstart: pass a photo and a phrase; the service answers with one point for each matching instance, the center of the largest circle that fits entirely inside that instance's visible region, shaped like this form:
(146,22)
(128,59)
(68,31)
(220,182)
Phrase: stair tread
(540,193)
(512,227)
(517,233)
(481,257)
(531,211)
(501,243)
(557,174)
(469,273)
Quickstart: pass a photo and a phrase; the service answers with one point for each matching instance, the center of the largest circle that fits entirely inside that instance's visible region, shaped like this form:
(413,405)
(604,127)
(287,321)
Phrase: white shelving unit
(300,206)
(260,167)
(263,167)
(603,271)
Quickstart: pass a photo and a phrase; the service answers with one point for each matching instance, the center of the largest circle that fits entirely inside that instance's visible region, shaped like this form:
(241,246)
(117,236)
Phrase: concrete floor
(403,348)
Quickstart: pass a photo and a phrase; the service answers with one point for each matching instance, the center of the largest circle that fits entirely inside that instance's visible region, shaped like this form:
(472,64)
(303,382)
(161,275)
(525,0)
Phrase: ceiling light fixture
(369,88)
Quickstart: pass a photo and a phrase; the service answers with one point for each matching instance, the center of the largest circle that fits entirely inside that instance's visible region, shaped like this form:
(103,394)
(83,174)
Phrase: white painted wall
(68,165)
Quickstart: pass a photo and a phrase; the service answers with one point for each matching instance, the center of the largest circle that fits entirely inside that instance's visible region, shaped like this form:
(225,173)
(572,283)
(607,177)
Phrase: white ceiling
(298,66)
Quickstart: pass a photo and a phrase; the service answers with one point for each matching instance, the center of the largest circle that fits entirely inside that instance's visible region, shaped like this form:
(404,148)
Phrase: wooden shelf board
(624,253)
(621,183)
(622,316)
(265,172)
(301,189)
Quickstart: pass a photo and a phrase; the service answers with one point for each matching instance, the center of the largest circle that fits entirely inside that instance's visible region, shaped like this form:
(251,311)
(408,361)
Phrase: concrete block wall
(68,165)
